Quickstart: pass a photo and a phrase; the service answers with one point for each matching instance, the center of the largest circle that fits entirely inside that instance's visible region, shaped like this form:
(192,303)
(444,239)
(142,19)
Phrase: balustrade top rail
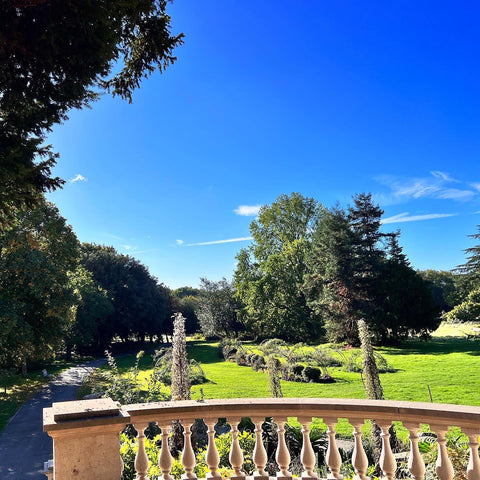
(86,435)
(430,413)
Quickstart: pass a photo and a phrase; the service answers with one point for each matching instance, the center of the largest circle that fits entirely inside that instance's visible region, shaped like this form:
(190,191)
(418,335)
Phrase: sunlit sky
(327,99)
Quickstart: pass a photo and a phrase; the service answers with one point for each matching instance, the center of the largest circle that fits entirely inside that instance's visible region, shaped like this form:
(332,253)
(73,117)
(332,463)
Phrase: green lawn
(448,365)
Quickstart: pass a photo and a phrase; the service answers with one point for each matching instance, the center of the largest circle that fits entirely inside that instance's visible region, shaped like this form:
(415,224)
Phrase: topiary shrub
(298,369)
(241,359)
(312,374)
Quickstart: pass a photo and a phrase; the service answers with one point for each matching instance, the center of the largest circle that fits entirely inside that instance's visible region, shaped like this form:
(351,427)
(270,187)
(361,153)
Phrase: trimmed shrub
(298,369)
(312,374)
(241,359)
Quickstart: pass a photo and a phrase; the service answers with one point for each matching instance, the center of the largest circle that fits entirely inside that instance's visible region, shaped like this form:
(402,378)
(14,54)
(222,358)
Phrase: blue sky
(327,99)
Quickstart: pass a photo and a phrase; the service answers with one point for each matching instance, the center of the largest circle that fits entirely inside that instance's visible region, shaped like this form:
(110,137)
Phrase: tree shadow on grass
(438,346)
(204,352)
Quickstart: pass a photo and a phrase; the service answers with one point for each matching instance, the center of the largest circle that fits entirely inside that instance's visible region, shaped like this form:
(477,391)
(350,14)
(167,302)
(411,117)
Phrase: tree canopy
(218,308)
(57,55)
(270,273)
(356,271)
(141,306)
(36,254)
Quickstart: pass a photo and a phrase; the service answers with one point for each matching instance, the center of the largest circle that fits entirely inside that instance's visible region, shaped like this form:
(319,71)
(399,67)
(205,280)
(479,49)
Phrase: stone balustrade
(86,435)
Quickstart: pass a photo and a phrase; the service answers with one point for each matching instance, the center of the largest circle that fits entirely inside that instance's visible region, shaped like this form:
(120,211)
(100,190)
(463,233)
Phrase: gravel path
(23,444)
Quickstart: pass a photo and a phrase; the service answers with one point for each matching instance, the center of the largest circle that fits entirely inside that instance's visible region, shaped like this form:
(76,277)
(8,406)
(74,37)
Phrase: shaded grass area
(20,389)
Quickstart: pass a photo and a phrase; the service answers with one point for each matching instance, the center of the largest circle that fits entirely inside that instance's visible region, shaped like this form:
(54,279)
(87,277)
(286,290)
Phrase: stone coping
(97,412)
(353,409)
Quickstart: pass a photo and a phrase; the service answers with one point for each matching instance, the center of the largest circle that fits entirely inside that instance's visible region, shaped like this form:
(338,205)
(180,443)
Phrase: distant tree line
(311,272)
(56,293)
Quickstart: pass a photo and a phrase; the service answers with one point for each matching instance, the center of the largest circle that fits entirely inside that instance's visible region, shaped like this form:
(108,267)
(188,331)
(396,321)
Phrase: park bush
(312,374)
(162,368)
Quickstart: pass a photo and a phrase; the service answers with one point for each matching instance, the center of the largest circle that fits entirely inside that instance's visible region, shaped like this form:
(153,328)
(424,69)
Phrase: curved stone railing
(86,435)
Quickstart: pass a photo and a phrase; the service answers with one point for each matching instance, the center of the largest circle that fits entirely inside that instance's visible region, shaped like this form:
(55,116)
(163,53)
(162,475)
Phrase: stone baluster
(212,458)
(141,459)
(416,465)
(307,454)
(236,454)
(387,460)
(473,468)
(188,456)
(359,457)
(282,455)
(165,458)
(443,467)
(259,453)
(332,457)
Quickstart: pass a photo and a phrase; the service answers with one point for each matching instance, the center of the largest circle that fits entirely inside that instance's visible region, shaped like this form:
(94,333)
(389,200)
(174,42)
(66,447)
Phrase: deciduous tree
(270,273)
(218,308)
(36,254)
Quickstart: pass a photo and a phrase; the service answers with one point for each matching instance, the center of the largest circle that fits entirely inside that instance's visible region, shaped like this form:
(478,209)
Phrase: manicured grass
(20,389)
(448,365)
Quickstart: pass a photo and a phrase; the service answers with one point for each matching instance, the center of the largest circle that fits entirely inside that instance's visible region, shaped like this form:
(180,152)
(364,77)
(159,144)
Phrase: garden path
(23,444)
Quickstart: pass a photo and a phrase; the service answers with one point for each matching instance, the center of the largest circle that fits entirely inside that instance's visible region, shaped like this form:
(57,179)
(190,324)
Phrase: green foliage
(270,273)
(129,448)
(128,387)
(312,374)
(36,253)
(162,370)
(274,374)
(218,309)
(472,267)
(58,55)
(229,347)
(356,271)
(468,310)
(443,285)
(141,306)
(88,330)
(188,306)
(184,292)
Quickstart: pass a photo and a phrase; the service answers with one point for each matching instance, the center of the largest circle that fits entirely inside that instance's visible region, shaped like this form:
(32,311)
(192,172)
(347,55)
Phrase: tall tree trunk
(68,352)
(24,367)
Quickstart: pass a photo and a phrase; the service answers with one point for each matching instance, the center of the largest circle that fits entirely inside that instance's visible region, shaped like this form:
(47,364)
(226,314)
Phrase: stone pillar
(86,441)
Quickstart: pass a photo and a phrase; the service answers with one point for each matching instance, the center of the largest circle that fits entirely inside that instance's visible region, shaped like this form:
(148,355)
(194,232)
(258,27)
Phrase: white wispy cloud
(437,186)
(78,178)
(456,194)
(179,242)
(248,210)
(215,242)
(129,247)
(406,217)
(444,176)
